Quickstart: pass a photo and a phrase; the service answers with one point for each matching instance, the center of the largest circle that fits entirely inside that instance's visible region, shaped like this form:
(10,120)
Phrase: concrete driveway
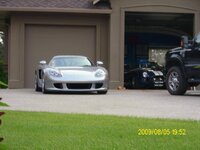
(143,103)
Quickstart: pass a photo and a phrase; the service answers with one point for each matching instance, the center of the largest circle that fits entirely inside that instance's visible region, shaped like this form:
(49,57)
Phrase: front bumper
(75,86)
(154,82)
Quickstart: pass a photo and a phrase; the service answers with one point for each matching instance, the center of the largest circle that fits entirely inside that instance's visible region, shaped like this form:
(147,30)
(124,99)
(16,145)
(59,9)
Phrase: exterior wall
(17,40)
(117,19)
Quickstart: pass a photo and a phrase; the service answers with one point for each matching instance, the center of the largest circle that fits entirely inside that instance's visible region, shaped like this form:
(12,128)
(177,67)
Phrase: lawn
(3,104)
(38,130)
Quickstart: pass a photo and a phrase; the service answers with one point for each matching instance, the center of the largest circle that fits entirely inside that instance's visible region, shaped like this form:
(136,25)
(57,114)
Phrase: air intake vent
(98,85)
(79,86)
(58,85)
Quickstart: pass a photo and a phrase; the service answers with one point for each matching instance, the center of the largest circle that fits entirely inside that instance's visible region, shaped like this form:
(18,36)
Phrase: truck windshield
(197,39)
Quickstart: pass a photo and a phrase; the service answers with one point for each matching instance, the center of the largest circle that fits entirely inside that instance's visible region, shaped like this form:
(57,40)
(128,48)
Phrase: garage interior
(149,35)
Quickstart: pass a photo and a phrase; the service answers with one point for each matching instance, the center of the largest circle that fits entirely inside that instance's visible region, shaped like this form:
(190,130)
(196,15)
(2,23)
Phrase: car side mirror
(99,63)
(197,42)
(184,41)
(197,39)
(153,67)
(43,62)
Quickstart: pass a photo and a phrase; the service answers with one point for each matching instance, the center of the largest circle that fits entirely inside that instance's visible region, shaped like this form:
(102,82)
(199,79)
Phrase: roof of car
(59,56)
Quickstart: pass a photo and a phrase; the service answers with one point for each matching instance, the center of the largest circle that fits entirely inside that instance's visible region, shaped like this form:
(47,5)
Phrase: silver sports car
(71,73)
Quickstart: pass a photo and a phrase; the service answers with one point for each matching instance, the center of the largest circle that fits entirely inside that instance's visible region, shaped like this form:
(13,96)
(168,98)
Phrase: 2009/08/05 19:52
(157,132)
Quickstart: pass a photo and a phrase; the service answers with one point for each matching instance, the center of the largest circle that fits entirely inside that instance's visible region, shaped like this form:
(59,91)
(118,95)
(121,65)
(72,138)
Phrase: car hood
(79,73)
(155,72)
(150,71)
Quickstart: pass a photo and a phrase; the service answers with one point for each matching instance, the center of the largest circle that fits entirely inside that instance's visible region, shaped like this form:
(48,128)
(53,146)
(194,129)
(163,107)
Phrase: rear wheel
(175,82)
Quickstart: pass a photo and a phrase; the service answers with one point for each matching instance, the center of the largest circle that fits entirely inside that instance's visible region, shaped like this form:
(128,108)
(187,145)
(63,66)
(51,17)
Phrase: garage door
(42,42)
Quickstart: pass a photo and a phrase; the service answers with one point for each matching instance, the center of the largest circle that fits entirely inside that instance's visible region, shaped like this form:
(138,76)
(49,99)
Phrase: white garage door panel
(42,42)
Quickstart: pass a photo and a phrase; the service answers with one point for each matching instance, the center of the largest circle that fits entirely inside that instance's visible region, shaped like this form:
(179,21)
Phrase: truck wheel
(175,82)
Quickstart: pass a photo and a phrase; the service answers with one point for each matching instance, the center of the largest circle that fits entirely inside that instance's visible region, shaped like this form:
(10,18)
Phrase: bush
(3,76)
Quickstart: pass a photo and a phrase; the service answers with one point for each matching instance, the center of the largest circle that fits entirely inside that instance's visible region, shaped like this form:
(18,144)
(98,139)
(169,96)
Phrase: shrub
(3,76)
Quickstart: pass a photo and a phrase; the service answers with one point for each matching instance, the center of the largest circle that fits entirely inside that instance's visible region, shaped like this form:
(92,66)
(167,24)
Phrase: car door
(192,62)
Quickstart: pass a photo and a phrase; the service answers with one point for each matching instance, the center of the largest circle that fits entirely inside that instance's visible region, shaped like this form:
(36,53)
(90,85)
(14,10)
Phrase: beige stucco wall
(119,7)
(17,40)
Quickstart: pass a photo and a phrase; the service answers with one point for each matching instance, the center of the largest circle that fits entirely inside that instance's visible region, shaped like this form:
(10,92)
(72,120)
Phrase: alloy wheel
(173,81)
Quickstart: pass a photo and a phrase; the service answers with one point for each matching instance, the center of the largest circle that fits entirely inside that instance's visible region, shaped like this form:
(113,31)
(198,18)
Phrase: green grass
(3,85)
(3,104)
(31,130)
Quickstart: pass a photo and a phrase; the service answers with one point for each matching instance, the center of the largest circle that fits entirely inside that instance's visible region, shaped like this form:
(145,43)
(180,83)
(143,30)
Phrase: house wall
(117,20)
(22,26)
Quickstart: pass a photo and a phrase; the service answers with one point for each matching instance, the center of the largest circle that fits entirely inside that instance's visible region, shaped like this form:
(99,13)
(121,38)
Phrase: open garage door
(42,42)
(148,36)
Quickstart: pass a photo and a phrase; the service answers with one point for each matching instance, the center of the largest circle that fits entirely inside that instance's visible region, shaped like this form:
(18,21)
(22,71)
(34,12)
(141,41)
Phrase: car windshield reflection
(151,65)
(70,62)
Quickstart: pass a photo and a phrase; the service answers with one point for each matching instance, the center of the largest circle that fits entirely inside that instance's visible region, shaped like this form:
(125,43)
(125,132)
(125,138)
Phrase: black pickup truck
(183,66)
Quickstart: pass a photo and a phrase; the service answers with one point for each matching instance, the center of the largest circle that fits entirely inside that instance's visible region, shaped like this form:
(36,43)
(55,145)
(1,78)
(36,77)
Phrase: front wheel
(102,92)
(134,82)
(37,88)
(44,91)
(175,82)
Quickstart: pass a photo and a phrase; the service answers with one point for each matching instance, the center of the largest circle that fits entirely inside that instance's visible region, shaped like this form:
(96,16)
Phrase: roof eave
(61,10)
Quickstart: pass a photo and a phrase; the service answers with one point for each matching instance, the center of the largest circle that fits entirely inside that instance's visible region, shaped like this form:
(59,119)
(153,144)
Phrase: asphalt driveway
(143,103)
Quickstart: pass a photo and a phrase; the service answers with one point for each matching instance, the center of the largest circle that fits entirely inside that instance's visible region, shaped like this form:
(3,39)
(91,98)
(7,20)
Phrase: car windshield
(152,65)
(70,62)
(197,39)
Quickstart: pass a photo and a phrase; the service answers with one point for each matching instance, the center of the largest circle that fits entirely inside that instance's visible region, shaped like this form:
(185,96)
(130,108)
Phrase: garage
(119,33)
(149,35)
(40,36)
(42,42)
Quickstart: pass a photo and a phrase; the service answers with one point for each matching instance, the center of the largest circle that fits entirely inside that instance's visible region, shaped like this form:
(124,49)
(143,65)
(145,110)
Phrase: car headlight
(145,74)
(100,73)
(55,73)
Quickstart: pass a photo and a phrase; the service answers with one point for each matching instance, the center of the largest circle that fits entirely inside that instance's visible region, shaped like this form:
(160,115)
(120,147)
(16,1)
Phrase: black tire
(44,91)
(102,92)
(37,88)
(133,83)
(176,83)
